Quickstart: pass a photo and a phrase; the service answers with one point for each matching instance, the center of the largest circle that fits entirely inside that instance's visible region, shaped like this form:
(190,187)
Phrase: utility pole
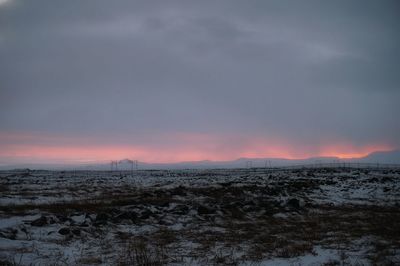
(114,166)
(249,164)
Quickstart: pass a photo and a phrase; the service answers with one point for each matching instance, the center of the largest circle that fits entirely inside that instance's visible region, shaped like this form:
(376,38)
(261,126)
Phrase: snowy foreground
(200,217)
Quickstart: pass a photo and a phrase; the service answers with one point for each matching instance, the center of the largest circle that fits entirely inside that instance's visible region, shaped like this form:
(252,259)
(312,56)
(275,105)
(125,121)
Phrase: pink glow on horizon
(170,155)
(169,148)
(349,151)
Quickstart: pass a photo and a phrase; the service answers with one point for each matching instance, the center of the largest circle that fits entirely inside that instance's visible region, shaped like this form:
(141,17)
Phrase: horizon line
(91,162)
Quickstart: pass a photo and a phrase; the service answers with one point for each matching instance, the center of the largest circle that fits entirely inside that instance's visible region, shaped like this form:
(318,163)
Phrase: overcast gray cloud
(308,72)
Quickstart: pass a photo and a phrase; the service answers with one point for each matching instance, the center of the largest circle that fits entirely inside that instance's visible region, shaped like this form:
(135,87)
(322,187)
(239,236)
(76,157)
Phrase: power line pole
(114,166)
(249,164)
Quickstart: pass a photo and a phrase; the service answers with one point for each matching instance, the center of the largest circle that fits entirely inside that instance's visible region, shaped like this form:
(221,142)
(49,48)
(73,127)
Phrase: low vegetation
(216,217)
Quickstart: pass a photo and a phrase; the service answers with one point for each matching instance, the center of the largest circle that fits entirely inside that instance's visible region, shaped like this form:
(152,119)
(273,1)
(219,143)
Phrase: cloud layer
(302,76)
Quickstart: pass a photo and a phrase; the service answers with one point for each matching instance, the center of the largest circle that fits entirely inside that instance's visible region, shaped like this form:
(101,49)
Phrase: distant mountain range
(383,157)
(390,157)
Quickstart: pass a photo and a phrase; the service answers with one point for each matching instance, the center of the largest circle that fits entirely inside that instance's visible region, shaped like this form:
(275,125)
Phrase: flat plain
(321,216)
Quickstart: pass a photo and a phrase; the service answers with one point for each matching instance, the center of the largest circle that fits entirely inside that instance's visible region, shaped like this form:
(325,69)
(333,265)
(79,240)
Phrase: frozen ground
(200,217)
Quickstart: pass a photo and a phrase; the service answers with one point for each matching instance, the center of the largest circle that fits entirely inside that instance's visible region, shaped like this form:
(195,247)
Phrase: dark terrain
(324,216)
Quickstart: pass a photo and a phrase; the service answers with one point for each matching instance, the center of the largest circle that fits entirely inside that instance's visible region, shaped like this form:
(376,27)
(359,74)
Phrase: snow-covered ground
(200,217)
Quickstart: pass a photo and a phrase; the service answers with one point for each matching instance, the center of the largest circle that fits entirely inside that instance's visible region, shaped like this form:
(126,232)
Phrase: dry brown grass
(241,218)
(139,252)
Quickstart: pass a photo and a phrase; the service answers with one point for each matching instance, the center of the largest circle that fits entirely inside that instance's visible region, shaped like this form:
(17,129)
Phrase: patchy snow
(201,216)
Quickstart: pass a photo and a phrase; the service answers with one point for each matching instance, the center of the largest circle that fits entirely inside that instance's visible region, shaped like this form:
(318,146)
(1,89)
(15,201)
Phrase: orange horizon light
(168,155)
(172,148)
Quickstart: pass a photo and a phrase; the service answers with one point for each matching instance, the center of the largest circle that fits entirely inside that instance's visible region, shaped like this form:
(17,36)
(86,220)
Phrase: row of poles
(133,163)
(268,164)
(319,163)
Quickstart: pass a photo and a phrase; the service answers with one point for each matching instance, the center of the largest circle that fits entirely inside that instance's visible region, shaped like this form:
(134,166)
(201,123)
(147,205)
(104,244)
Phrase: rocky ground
(200,217)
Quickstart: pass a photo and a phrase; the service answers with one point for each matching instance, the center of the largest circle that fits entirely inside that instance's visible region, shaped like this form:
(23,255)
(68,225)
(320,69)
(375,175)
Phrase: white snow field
(322,216)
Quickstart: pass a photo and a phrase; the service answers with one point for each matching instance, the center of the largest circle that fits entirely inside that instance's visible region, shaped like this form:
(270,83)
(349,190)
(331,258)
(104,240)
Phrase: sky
(169,81)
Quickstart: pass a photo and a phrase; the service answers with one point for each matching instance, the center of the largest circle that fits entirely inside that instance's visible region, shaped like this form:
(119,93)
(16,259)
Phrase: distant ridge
(389,157)
(383,157)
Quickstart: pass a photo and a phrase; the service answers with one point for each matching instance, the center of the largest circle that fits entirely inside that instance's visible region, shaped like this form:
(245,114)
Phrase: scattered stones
(42,221)
(251,206)
(64,231)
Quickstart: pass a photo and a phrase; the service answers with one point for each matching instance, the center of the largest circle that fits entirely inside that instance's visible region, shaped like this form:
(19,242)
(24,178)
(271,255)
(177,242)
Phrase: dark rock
(160,193)
(274,191)
(181,210)
(266,204)
(179,191)
(374,180)
(250,208)
(9,233)
(42,221)
(62,218)
(235,211)
(24,230)
(146,214)
(386,179)
(115,211)
(84,224)
(164,204)
(147,195)
(308,205)
(64,231)
(226,184)
(294,203)
(76,231)
(203,210)
(90,217)
(102,217)
(164,222)
(126,216)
